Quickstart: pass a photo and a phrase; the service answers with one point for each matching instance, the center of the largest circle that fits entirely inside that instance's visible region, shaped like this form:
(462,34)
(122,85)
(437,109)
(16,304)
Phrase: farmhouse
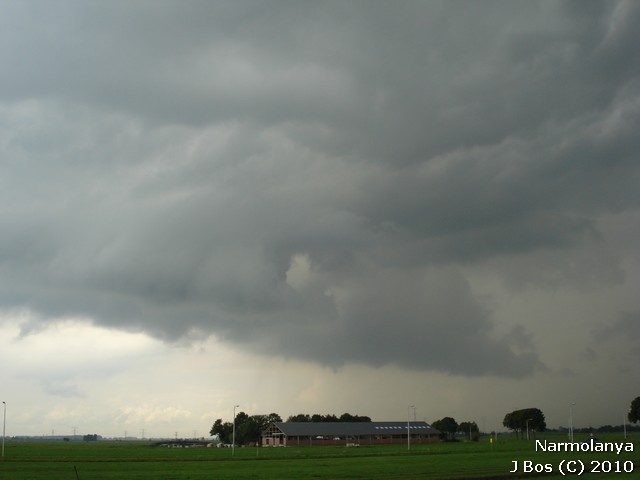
(346,433)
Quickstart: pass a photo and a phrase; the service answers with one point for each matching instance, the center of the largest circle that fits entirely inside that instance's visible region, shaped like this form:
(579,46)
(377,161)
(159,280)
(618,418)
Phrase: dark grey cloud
(627,326)
(617,340)
(165,164)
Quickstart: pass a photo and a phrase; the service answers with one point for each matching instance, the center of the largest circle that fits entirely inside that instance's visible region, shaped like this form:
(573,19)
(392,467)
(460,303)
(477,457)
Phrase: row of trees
(449,428)
(518,421)
(532,419)
(345,417)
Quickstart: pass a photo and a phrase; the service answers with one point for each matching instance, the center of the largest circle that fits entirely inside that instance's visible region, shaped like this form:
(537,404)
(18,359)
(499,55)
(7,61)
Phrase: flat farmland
(35,460)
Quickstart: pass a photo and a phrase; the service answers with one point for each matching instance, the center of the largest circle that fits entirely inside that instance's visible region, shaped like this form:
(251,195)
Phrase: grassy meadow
(52,460)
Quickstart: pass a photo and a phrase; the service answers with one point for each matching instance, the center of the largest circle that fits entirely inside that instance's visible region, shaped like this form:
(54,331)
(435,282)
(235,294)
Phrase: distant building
(346,433)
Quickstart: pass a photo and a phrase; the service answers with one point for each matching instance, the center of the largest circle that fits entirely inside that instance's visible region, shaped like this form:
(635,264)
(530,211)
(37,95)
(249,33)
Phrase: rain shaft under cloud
(315,180)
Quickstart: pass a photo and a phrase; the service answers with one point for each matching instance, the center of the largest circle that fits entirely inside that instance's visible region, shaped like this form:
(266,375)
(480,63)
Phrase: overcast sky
(317,207)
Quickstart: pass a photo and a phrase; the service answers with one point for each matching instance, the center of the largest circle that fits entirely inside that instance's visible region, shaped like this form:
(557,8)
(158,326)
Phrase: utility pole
(409,425)
(4,424)
(571,420)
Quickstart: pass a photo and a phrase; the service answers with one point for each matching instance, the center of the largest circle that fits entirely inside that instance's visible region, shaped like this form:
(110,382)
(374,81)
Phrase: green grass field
(35,460)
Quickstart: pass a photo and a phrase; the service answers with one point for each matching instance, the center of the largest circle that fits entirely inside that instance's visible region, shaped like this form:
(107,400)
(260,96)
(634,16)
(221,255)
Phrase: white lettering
(589,446)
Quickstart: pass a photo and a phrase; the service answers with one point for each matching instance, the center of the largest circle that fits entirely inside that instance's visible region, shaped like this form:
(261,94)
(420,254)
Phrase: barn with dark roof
(346,433)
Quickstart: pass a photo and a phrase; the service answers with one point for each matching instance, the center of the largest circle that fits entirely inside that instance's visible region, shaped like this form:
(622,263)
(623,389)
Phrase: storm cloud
(315,180)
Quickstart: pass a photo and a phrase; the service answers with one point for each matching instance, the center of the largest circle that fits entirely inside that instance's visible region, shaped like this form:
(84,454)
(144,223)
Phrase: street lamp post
(571,420)
(233,438)
(528,420)
(408,426)
(4,424)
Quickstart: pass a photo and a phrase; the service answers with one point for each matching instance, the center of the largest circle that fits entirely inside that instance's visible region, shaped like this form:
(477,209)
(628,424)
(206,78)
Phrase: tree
(448,426)
(248,430)
(241,418)
(222,430)
(470,429)
(634,411)
(518,420)
(271,418)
